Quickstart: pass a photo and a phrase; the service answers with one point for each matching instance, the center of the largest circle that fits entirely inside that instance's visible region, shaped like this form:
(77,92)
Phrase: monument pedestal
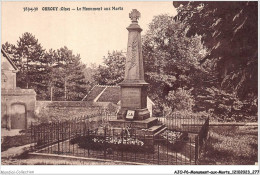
(140,114)
(134,97)
(148,127)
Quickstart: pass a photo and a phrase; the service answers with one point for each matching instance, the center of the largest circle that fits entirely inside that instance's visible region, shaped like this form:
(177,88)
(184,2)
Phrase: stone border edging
(224,124)
(65,157)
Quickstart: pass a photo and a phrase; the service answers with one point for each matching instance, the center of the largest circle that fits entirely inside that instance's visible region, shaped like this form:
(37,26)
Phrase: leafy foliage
(171,59)
(112,72)
(89,72)
(28,56)
(67,75)
(180,99)
(225,106)
(43,70)
(229,31)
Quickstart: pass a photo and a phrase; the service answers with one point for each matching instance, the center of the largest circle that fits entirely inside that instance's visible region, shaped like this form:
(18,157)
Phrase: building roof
(110,94)
(9,59)
(93,93)
(103,93)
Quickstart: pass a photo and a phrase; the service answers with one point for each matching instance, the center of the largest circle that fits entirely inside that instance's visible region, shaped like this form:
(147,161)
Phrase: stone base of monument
(148,127)
(140,114)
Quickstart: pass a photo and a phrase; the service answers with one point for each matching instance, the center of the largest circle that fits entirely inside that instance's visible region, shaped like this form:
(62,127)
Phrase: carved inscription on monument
(131,97)
(132,58)
(134,52)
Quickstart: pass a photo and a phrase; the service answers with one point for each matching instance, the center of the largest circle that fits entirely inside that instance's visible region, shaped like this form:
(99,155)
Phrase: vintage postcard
(129,83)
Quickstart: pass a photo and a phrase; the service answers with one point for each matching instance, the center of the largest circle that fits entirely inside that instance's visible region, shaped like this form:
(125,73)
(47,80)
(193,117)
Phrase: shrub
(180,100)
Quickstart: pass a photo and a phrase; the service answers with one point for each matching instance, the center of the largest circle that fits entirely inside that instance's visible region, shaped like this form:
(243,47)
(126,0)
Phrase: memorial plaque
(131,97)
(130,114)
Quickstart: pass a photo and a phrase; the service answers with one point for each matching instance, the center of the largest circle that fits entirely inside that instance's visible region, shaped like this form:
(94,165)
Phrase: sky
(92,34)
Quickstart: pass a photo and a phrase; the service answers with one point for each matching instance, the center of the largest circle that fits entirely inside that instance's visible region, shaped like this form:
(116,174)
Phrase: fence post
(105,148)
(44,135)
(167,146)
(122,135)
(190,150)
(62,136)
(135,144)
(32,137)
(158,141)
(69,133)
(58,129)
(144,145)
(196,150)
(88,145)
(31,140)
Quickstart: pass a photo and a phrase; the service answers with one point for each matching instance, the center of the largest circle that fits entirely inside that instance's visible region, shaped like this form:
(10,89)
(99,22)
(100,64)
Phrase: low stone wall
(63,110)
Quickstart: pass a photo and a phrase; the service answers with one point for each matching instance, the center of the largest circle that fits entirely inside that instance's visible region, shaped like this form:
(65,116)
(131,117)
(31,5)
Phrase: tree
(171,59)
(31,55)
(28,56)
(76,81)
(48,74)
(89,72)
(229,31)
(67,76)
(59,73)
(112,72)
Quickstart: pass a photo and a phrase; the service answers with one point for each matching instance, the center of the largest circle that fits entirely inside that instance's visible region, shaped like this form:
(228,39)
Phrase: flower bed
(174,139)
(98,142)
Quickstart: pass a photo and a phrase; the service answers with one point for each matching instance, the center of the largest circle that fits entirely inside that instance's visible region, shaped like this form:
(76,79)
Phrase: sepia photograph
(130,83)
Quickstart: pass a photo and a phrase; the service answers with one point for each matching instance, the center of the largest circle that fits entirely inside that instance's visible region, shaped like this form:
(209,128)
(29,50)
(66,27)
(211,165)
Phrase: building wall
(8,80)
(17,105)
(18,97)
(8,76)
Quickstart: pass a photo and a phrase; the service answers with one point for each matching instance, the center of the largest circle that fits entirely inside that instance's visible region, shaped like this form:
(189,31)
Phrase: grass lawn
(231,145)
(35,161)
(13,141)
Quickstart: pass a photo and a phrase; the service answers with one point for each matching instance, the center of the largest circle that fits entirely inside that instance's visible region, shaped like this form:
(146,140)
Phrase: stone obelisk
(134,87)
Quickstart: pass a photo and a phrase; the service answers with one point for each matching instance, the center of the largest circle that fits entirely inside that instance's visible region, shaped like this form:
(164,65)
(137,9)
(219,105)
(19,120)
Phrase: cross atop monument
(134,15)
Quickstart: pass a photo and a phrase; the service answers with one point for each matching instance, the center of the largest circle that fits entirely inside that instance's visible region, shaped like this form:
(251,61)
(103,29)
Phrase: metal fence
(183,122)
(200,139)
(188,123)
(90,137)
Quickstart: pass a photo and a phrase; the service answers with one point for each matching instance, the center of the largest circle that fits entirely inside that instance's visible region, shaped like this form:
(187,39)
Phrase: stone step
(152,130)
(139,124)
(160,131)
(156,128)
